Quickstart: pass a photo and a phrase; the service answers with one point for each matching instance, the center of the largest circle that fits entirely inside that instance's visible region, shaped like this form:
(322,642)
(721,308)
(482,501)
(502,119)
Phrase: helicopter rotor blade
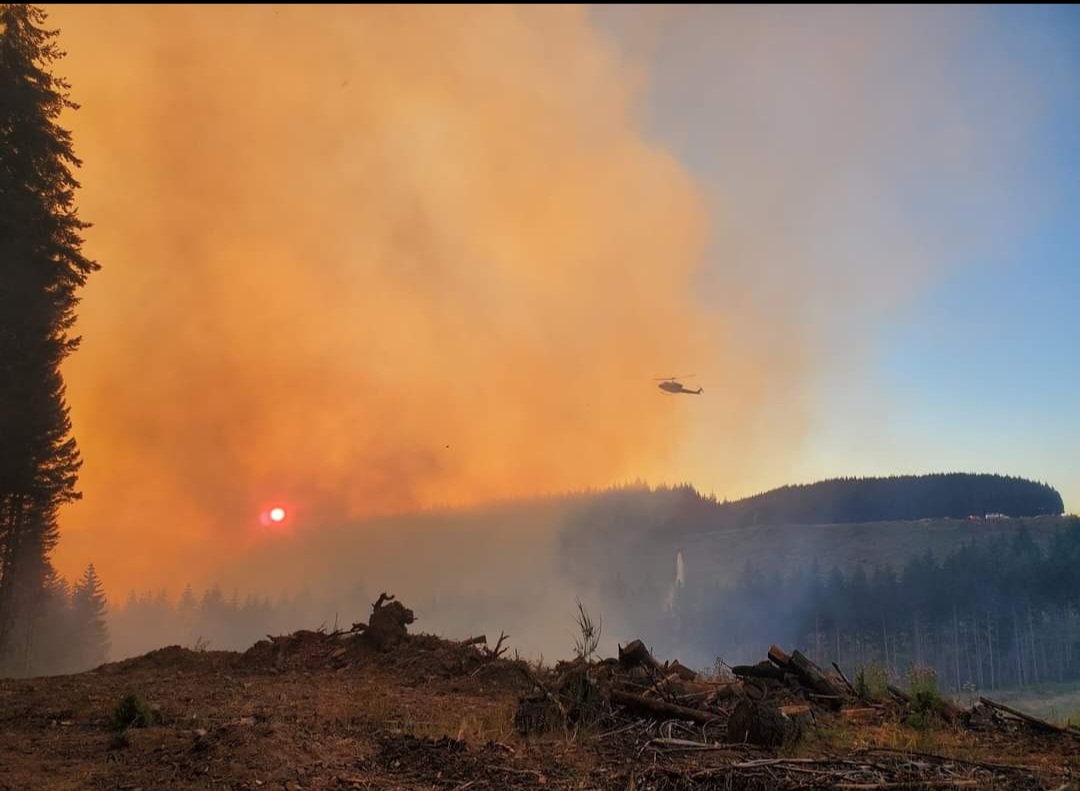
(672,378)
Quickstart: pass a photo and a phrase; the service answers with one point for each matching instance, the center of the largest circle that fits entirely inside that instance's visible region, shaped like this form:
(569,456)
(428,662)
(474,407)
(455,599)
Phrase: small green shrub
(926,700)
(872,682)
(132,712)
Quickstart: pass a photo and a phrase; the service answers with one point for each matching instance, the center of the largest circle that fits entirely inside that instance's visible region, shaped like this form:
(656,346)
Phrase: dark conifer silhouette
(90,632)
(41,269)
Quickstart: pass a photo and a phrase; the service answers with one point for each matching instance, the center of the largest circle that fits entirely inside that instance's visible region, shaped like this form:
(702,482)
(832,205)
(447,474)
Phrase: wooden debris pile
(384,638)
(770,704)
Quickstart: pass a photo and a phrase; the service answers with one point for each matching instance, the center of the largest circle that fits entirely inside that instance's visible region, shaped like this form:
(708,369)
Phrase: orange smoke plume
(362,260)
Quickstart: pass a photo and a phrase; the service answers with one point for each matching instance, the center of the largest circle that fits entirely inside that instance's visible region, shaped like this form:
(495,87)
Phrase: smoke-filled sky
(360,260)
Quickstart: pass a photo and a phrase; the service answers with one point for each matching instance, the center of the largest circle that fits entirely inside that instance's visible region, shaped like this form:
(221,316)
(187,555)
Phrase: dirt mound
(304,650)
(173,657)
(425,657)
(415,658)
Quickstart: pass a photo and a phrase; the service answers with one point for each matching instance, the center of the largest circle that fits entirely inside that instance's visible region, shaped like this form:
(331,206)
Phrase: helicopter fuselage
(676,387)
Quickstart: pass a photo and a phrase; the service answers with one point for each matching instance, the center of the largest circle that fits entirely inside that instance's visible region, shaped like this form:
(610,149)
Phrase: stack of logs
(769,704)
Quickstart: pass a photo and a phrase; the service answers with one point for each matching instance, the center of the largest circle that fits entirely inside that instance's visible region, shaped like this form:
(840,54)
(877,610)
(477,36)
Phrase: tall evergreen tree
(41,269)
(51,643)
(188,606)
(88,616)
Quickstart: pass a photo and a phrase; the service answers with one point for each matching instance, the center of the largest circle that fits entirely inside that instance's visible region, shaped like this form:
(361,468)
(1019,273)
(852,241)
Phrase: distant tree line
(638,511)
(67,629)
(1002,612)
(41,270)
(897,498)
(213,620)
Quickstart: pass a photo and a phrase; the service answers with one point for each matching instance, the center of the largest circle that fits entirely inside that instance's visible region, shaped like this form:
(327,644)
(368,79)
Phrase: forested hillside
(898,497)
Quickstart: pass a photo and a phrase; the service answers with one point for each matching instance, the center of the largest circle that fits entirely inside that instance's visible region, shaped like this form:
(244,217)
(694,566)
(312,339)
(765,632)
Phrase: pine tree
(51,645)
(88,607)
(41,269)
(187,607)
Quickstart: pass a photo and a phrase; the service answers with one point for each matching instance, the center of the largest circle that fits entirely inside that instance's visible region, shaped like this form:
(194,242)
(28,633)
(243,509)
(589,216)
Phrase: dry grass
(476,723)
(847,736)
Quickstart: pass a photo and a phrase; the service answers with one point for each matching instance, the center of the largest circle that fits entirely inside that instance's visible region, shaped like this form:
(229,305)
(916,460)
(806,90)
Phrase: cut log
(802,715)
(1034,722)
(765,725)
(724,691)
(833,702)
(661,708)
(809,674)
(797,708)
(844,678)
(779,658)
(760,670)
(681,670)
(635,654)
(755,689)
(695,693)
(700,688)
(812,675)
(670,687)
(478,640)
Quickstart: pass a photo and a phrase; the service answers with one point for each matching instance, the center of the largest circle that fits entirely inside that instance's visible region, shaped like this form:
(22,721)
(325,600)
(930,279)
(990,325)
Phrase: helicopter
(671,385)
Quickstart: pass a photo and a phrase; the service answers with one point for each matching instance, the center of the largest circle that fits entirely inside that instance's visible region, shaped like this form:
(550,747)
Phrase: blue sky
(987,360)
(981,374)
(905,184)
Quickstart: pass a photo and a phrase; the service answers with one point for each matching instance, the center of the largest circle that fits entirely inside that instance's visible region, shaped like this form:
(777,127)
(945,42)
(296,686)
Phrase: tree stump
(388,625)
(536,715)
(764,725)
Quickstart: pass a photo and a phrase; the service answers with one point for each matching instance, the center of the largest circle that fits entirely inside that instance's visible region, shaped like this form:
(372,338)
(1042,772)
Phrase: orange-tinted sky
(370,259)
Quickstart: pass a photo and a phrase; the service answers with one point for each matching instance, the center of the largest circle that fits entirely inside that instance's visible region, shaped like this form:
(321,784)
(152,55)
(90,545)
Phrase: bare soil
(301,714)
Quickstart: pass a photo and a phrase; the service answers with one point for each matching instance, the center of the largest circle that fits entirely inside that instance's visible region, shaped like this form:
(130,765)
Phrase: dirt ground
(304,716)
